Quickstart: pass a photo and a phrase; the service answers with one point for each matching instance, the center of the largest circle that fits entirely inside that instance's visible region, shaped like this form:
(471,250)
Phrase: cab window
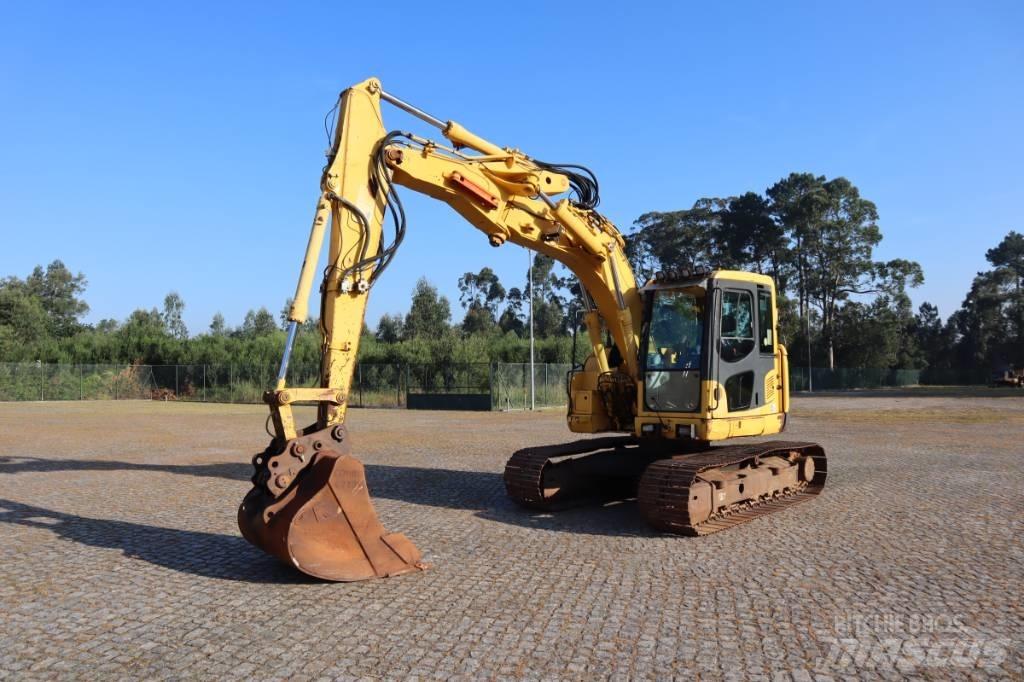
(676,328)
(672,355)
(764,321)
(737,325)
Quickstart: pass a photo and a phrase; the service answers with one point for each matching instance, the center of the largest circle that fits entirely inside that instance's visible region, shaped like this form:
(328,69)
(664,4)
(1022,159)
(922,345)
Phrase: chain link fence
(840,378)
(510,385)
(373,384)
(381,384)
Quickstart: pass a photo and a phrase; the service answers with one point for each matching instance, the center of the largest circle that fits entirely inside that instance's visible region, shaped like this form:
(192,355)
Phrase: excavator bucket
(317,516)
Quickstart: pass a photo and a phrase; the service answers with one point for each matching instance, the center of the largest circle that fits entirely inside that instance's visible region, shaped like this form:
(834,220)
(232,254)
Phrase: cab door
(743,348)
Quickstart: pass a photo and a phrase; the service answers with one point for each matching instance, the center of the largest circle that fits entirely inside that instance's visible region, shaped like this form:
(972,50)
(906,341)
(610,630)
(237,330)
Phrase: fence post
(204,383)
(490,382)
(81,384)
(175,382)
(231,382)
(526,393)
(359,368)
(42,382)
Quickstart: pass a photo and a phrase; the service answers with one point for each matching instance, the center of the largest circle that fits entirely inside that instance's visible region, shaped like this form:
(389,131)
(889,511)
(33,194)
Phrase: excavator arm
(309,504)
(505,194)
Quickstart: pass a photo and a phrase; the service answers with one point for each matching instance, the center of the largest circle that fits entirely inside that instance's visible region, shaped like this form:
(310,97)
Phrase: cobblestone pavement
(120,557)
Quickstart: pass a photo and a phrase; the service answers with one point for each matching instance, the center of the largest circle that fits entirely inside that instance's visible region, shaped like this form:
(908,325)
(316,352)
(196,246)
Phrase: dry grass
(922,415)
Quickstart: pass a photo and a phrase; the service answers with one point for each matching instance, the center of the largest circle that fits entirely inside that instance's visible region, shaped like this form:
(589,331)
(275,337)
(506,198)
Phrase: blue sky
(178,146)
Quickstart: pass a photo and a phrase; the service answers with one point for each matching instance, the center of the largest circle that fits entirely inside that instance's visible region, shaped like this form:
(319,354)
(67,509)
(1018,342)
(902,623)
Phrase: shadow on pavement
(210,555)
(482,492)
(239,471)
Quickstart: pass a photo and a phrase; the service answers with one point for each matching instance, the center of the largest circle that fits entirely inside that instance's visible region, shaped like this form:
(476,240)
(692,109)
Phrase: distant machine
(689,358)
(1013,376)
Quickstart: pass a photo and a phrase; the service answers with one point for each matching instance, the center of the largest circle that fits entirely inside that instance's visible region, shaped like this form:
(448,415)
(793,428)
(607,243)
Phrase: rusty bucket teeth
(325,525)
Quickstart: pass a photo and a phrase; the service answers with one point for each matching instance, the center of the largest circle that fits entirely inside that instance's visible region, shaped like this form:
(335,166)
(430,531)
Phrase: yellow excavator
(689,358)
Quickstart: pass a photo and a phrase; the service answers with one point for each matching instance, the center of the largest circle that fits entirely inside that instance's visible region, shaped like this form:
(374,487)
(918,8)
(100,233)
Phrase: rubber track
(664,490)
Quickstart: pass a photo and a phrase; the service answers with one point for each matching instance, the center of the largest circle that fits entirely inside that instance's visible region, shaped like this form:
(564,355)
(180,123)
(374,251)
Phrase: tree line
(839,305)
(41,320)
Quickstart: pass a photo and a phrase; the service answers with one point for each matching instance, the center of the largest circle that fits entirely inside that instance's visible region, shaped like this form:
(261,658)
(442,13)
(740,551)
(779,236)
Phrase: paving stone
(120,557)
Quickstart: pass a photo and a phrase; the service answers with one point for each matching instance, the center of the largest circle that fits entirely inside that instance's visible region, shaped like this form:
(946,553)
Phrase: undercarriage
(694,492)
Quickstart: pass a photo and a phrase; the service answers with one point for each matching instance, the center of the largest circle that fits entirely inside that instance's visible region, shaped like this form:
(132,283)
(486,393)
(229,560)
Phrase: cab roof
(683,277)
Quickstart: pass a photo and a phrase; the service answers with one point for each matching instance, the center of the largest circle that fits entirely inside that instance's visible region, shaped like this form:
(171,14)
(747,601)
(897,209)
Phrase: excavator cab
(709,357)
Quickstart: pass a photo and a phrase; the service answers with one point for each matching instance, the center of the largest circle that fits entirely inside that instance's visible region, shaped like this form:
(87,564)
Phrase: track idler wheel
(314,512)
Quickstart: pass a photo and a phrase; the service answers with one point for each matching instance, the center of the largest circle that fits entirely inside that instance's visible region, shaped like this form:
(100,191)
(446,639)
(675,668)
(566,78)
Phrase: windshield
(673,350)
